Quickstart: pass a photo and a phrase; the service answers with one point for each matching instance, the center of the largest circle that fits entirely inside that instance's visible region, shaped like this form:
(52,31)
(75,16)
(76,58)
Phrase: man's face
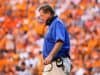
(44,16)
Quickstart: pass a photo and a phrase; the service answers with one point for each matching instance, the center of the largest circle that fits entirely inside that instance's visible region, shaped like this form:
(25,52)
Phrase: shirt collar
(49,21)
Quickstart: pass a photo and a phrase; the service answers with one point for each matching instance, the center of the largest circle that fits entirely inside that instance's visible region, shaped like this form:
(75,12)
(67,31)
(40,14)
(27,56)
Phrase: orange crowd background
(21,35)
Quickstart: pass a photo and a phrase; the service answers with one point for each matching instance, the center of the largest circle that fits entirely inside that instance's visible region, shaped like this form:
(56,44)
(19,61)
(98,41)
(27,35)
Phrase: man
(56,43)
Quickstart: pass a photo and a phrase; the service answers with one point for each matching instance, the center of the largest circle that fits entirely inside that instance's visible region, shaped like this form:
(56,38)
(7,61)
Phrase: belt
(59,62)
(60,58)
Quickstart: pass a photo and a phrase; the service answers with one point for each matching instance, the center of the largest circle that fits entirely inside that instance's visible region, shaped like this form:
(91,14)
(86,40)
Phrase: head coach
(56,43)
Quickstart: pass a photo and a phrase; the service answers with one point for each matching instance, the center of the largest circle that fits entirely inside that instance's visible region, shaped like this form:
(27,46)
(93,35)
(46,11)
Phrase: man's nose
(40,19)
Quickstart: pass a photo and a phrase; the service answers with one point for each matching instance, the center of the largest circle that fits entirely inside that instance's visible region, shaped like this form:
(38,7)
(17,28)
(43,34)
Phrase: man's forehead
(37,13)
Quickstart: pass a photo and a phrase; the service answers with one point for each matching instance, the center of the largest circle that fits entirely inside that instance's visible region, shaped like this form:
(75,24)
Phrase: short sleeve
(59,32)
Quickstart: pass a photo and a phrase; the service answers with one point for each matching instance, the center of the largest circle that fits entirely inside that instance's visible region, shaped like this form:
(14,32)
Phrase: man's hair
(47,9)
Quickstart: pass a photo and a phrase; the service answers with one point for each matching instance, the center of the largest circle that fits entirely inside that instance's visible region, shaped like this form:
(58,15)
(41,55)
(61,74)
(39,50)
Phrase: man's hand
(54,51)
(48,60)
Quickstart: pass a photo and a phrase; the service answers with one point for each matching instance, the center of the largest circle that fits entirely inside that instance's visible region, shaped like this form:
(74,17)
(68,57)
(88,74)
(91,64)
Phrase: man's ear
(49,14)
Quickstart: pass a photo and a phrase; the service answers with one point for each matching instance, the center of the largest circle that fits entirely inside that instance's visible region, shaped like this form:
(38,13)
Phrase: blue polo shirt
(56,31)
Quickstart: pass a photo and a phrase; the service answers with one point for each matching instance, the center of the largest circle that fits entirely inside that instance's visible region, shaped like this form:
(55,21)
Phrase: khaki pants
(52,69)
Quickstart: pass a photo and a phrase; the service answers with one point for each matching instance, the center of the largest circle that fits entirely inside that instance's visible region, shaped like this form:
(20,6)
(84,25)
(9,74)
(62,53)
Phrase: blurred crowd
(21,35)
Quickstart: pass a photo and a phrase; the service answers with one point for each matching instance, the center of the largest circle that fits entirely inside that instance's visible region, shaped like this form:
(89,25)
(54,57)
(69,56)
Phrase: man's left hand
(48,60)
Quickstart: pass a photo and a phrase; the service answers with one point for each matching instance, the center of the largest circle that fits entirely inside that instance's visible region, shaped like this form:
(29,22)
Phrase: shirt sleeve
(59,32)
